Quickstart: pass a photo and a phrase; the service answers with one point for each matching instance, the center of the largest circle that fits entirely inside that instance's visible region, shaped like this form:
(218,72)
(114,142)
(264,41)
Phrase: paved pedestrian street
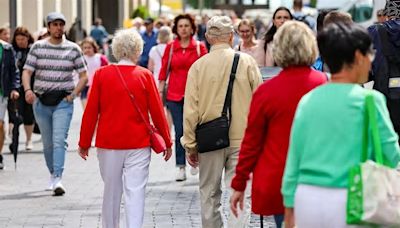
(24,203)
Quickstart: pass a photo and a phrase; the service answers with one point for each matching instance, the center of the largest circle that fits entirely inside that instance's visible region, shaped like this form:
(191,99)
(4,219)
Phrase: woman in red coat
(179,55)
(265,144)
(122,136)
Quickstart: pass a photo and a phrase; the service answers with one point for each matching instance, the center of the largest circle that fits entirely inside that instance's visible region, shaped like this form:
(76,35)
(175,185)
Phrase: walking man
(54,59)
(9,84)
(206,88)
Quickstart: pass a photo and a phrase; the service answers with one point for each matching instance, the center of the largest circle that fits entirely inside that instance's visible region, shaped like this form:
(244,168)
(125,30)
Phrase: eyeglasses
(244,31)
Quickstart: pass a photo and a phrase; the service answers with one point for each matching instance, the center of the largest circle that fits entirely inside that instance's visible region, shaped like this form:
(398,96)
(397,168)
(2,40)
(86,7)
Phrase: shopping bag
(374,189)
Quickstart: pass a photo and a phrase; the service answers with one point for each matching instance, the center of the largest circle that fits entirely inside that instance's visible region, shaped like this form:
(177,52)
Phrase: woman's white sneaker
(59,189)
(50,185)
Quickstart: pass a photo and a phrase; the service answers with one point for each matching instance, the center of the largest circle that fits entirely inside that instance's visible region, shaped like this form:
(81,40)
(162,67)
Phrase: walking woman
(175,67)
(122,138)
(249,44)
(264,147)
(327,133)
(280,16)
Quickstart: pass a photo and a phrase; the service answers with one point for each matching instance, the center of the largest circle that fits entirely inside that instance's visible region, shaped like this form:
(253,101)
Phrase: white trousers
(124,171)
(317,207)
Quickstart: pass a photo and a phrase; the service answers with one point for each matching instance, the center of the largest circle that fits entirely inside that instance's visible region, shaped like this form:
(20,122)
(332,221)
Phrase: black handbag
(53,97)
(214,135)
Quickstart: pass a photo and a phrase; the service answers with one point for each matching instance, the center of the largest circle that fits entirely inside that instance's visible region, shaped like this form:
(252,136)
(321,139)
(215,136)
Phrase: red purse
(157,142)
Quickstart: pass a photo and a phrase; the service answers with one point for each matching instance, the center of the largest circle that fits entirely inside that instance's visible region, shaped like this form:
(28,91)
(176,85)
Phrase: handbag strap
(169,61)
(370,122)
(228,97)
(133,100)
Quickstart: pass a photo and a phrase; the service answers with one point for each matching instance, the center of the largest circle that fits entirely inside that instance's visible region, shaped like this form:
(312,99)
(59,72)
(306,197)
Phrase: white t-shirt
(93,63)
(156,53)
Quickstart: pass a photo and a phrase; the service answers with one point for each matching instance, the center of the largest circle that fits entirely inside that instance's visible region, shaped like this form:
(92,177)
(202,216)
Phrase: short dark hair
(22,31)
(180,17)
(338,42)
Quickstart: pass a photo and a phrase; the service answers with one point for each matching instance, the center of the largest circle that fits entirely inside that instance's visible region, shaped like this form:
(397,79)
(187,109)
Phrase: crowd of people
(283,147)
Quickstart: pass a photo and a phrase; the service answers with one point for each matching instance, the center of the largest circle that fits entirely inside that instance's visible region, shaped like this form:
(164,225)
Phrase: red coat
(181,61)
(119,125)
(265,144)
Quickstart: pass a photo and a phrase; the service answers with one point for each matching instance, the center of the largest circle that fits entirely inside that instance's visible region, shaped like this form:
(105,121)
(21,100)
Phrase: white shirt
(156,53)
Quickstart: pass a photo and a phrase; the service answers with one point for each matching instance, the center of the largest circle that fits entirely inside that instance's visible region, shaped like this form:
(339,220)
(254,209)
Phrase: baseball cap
(53,16)
(219,25)
(392,8)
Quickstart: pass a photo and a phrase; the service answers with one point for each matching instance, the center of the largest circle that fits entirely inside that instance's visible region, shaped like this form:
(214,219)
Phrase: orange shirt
(119,125)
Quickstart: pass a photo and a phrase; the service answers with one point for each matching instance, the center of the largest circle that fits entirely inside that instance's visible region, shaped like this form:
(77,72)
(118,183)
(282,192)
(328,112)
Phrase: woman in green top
(326,135)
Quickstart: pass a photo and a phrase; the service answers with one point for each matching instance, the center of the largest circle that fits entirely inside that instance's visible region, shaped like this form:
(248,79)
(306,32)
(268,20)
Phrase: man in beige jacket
(205,93)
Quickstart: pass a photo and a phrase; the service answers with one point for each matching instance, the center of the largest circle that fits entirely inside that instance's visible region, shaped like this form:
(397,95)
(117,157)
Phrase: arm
(269,60)
(80,67)
(26,83)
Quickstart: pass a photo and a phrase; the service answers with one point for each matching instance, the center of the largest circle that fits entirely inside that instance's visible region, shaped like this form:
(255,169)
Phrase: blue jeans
(54,122)
(176,109)
(279,220)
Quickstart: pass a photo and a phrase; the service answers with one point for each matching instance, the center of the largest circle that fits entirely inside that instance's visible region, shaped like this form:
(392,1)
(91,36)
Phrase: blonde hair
(294,45)
(126,44)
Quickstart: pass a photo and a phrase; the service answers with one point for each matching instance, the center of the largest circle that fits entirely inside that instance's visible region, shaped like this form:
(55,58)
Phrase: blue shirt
(149,42)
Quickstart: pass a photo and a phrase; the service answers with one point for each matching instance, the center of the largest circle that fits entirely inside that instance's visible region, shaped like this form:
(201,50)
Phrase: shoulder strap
(228,97)
(169,60)
(133,100)
(384,39)
(198,48)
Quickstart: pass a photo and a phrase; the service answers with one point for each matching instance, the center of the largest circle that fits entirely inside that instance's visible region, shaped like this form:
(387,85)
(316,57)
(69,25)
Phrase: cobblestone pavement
(24,203)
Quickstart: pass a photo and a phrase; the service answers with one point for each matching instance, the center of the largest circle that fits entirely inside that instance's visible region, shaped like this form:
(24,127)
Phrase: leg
(44,117)
(176,109)
(278,220)
(211,165)
(111,164)
(232,157)
(28,132)
(29,120)
(61,121)
(135,174)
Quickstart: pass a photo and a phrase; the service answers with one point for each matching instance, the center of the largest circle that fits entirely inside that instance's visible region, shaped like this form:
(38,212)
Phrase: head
(127,44)
(164,35)
(320,19)
(5,34)
(336,17)
(184,26)
(392,9)
(246,30)
(98,22)
(219,30)
(149,24)
(56,25)
(294,45)
(380,16)
(280,16)
(159,23)
(22,38)
(346,47)
(297,5)
(89,46)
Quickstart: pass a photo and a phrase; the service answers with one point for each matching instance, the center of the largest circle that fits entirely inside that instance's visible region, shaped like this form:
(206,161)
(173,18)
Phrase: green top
(326,137)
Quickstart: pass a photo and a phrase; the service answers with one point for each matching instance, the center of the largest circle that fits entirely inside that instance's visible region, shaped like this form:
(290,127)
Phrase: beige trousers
(212,166)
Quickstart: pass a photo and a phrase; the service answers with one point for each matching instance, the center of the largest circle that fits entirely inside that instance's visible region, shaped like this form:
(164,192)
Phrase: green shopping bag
(374,190)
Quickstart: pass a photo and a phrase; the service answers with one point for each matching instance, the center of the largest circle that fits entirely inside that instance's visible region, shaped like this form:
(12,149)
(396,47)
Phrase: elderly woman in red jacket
(265,144)
(122,136)
(179,55)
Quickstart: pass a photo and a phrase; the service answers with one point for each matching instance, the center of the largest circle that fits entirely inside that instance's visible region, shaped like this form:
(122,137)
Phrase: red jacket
(181,61)
(265,144)
(119,125)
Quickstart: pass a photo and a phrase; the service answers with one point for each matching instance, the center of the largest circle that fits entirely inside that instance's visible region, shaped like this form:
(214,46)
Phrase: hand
(84,153)
(167,154)
(30,96)
(289,218)
(14,95)
(237,197)
(70,98)
(193,159)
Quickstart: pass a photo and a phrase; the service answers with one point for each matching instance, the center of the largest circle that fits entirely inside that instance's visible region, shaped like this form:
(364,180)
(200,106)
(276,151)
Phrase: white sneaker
(50,185)
(29,145)
(59,189)
(194,171)
(181,175)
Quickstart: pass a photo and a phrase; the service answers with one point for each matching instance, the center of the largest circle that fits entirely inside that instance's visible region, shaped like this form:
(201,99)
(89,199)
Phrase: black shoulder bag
(214,135)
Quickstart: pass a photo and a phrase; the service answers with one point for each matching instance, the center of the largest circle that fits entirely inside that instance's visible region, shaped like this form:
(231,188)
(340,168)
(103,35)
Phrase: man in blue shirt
(150,39)
(98,32)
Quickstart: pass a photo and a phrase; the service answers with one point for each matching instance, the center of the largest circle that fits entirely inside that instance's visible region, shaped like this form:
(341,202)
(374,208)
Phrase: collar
(220,47)
(177,44)
(126,62)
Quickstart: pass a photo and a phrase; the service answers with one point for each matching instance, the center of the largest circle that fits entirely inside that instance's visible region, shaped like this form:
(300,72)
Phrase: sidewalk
(24,203)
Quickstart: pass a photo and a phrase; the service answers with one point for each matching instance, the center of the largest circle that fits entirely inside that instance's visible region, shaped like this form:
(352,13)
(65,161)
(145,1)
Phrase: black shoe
(1,162)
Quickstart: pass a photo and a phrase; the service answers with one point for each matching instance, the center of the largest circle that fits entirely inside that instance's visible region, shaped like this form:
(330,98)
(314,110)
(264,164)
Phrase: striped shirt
(54,65)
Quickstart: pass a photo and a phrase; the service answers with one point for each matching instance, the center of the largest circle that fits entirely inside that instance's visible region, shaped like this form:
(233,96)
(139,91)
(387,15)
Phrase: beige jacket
(206,88)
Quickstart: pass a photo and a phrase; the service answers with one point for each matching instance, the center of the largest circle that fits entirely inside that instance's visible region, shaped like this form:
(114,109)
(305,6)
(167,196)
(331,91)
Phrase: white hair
(126,44)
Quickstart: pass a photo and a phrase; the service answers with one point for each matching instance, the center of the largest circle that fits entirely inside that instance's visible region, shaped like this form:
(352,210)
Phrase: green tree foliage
(313,3)
(141,11)
(195,3)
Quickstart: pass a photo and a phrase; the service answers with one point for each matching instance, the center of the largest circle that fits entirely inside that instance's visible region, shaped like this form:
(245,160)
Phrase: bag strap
(370,122)
(133,100)
(228,97)
(169,61)
(198,48)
